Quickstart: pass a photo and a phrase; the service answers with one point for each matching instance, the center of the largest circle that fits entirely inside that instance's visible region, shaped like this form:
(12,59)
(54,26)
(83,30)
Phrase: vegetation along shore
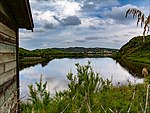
(71,52)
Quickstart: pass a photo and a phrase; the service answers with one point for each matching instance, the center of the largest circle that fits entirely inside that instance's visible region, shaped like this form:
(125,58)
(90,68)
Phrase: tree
(141,18)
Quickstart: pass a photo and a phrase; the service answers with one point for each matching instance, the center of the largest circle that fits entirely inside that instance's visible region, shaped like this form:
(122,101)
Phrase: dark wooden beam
(8,22)
(21,11)
(17,65)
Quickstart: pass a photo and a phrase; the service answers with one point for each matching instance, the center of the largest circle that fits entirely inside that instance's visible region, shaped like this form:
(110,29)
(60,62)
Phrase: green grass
(139,59)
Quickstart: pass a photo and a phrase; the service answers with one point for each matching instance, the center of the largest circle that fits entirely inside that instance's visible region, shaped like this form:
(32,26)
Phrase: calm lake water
(56,70)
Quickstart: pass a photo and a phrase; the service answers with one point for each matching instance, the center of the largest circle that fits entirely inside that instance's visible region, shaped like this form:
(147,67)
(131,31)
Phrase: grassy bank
(72,52)
(135,50)
(139,59)
(88,93)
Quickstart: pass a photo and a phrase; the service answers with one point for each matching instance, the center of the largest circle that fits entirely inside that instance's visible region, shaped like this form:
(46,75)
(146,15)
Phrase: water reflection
(134,67)
(23,65)
(56,70)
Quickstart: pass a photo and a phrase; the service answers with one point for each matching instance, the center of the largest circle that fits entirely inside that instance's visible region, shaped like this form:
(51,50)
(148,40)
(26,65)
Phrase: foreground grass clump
(88,93)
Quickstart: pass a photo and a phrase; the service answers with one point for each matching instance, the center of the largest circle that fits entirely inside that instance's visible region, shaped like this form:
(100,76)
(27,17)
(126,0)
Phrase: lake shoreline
(32,61)
(135,51)
(81,83)
(56,70)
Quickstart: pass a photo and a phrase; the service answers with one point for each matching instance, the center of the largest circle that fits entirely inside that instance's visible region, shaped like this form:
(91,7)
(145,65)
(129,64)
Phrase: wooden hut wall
(8,62)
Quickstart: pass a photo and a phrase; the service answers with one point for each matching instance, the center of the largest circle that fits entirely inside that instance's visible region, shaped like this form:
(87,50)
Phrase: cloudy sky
(82,23)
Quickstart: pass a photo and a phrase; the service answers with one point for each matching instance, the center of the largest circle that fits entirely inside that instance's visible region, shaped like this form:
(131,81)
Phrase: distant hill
(135,50)
(71,52)
(82,49)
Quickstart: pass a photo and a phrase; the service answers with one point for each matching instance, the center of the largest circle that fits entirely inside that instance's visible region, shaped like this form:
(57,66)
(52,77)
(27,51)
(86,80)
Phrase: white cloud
(94,21)
(118,13)
(45,16)
(68,8)
(26,35)
(88,23)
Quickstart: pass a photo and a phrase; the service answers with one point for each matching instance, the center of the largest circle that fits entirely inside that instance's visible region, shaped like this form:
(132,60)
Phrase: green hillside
(135,50)
(72,52)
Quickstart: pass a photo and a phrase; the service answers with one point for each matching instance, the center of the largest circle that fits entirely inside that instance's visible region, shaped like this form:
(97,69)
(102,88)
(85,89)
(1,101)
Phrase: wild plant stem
(103,108)
(147,94)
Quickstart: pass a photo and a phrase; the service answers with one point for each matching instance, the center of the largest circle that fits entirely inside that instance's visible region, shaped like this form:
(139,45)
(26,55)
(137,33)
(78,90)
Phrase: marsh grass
(141,18)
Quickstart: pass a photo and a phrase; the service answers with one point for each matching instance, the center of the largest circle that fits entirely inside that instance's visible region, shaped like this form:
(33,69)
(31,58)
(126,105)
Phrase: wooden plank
(10,65)
(8,57)
(10,90)
(10,104)
(2,68)
(1,100)
(6,85)
(4,77)
(8,95)
(7,39)
(4,48)
(7,31)
(8,78)
(1,56)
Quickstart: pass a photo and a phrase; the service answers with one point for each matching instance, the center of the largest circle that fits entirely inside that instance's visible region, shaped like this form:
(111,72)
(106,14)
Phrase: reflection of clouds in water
(109,69)
(55,84)
(56,70)
(32,72)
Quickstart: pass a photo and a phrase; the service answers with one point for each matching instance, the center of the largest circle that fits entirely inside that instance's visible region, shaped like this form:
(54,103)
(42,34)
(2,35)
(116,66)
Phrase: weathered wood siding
(8,63)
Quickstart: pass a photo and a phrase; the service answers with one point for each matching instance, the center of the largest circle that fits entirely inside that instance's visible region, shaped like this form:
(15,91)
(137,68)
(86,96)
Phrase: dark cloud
(92,27)
(96,38)
(43,0)
(103,38)
(51,79)
(126,35)
(49,26)
(116,41)
(80,40)
(26,38)
(92,38)
(39,30)
(67,42)
(115,36)
(102,28)
(69,21)
(132,32)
